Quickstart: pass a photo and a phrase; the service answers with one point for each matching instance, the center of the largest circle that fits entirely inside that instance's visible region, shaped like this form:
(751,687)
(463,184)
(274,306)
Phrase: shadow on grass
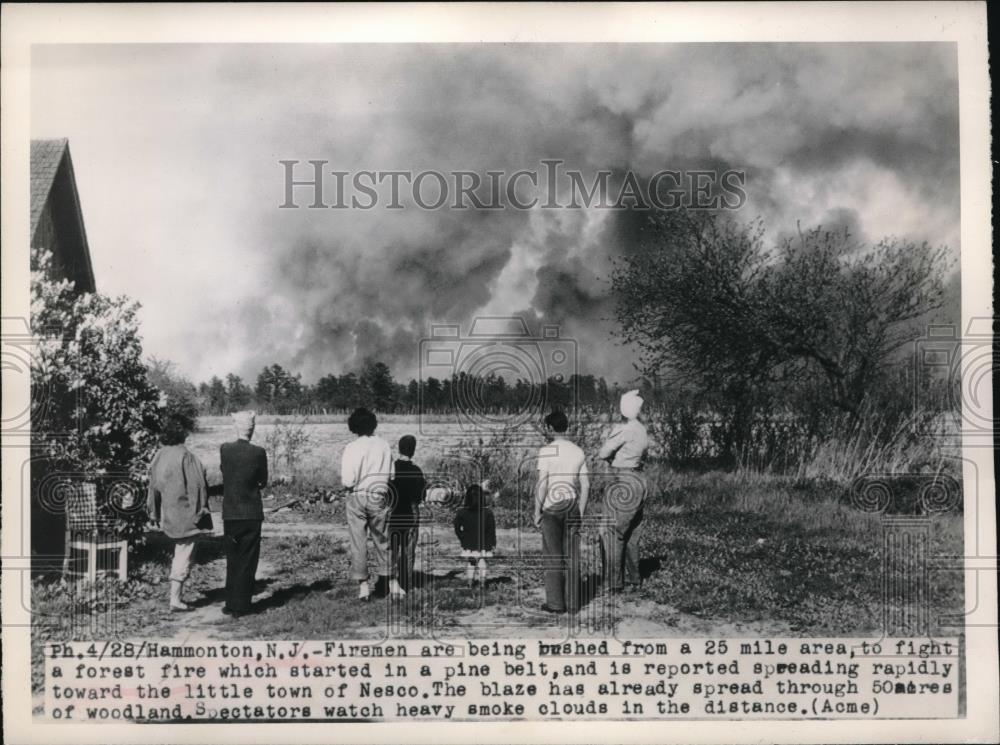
(649,566)
(495,581)
(280,597)
(218,594)
(418,581)
(159,550)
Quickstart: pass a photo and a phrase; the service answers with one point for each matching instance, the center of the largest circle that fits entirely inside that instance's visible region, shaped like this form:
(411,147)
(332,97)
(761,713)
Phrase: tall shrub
(97,415)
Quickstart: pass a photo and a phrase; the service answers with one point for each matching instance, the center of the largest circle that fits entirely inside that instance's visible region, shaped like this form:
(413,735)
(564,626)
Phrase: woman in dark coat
(177,500)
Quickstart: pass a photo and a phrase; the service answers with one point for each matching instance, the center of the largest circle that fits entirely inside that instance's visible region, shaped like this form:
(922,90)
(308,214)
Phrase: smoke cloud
(863,136)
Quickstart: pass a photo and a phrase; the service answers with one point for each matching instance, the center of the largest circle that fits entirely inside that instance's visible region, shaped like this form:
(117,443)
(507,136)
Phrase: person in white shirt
(628,442)
(365,470)
(560,500)
(625,450)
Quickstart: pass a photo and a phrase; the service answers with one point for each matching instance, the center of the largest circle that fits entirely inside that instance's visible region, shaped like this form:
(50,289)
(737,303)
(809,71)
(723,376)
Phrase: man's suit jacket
(244,473)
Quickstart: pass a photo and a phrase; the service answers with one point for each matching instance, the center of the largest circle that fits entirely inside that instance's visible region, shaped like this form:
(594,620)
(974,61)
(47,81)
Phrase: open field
(446,440)
(445,451)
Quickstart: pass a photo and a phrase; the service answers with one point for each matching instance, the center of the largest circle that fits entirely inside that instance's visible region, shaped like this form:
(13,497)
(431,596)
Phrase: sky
(176,151)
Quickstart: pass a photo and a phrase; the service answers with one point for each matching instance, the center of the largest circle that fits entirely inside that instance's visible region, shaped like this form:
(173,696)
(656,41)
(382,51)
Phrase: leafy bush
(179,396)
(97,415)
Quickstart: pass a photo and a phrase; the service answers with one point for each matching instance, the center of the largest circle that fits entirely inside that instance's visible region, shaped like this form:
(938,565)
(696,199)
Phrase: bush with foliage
(97,414)
(179,395)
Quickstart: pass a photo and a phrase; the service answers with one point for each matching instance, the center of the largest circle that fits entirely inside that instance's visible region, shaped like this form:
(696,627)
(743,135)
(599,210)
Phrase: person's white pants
(180,567)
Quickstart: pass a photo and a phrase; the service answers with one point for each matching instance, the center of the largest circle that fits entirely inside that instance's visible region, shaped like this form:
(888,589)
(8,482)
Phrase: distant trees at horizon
(279,391)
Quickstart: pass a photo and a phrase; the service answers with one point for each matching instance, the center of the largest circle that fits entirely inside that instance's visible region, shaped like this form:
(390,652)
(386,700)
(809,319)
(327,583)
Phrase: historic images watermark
(314,184)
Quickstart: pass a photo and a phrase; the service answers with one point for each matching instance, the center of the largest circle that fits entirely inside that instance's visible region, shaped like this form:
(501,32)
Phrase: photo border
(963,23)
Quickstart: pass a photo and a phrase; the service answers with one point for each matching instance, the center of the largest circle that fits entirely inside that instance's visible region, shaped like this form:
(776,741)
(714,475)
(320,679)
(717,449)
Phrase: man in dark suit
(244,473)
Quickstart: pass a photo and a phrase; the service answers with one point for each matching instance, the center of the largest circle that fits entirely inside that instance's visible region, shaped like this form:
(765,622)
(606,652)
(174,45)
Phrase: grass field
(324,440)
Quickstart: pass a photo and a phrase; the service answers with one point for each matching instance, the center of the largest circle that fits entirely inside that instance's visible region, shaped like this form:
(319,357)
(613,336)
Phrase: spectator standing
(560,501)
(244,474)
(625,451)
(177,501)
(407,489)
(365,471)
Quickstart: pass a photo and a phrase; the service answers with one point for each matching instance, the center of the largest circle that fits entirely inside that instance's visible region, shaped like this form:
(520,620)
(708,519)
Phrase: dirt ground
(634,616)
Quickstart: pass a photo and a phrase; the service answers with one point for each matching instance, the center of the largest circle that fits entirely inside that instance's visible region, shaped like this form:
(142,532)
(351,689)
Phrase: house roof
(46,155)
(50,160)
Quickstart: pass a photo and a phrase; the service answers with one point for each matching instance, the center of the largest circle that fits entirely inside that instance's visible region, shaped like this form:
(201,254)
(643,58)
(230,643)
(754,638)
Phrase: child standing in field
(476,529)
(407,492)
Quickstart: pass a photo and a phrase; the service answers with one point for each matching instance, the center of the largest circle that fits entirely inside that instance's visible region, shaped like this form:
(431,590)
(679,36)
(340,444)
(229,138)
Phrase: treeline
(279,391)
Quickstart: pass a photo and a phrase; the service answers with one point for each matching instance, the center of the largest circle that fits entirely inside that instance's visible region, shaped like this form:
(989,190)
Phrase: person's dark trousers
(622,516)
(561,557)
(242,553)
(403,546)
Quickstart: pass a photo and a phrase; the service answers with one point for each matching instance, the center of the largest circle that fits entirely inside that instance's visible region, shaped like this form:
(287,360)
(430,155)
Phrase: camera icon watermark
(21,354)
(497,376)
(953,379)
(906,493)
(90,498)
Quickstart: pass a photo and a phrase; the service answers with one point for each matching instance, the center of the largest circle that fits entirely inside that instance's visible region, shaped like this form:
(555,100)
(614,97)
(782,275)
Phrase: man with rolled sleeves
(244,474)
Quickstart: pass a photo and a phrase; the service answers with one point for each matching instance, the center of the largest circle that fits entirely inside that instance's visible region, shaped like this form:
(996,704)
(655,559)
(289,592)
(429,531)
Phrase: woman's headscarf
(630,404)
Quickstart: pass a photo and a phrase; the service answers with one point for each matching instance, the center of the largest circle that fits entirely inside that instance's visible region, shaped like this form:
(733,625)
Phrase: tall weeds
(286,444)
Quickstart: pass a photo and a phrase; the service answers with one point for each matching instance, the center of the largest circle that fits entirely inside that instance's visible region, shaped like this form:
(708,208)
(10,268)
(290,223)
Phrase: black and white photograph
(513,379)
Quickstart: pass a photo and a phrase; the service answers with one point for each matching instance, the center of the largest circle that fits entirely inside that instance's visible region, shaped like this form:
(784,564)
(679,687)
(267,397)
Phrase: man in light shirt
(625,449)
(365,470)
(560,500)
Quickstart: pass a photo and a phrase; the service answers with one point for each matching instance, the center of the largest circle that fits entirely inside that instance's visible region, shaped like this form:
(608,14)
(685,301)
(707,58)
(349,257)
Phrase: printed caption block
(502,680)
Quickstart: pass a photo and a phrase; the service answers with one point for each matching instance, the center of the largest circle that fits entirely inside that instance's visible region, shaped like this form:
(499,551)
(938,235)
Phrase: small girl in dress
(476,529)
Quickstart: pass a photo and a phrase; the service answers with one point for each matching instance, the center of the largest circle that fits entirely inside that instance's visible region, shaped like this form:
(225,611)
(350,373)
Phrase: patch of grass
(778,552)
(72,611)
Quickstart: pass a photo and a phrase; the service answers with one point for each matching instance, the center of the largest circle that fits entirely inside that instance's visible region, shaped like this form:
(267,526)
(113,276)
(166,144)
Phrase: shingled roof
(53,185)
